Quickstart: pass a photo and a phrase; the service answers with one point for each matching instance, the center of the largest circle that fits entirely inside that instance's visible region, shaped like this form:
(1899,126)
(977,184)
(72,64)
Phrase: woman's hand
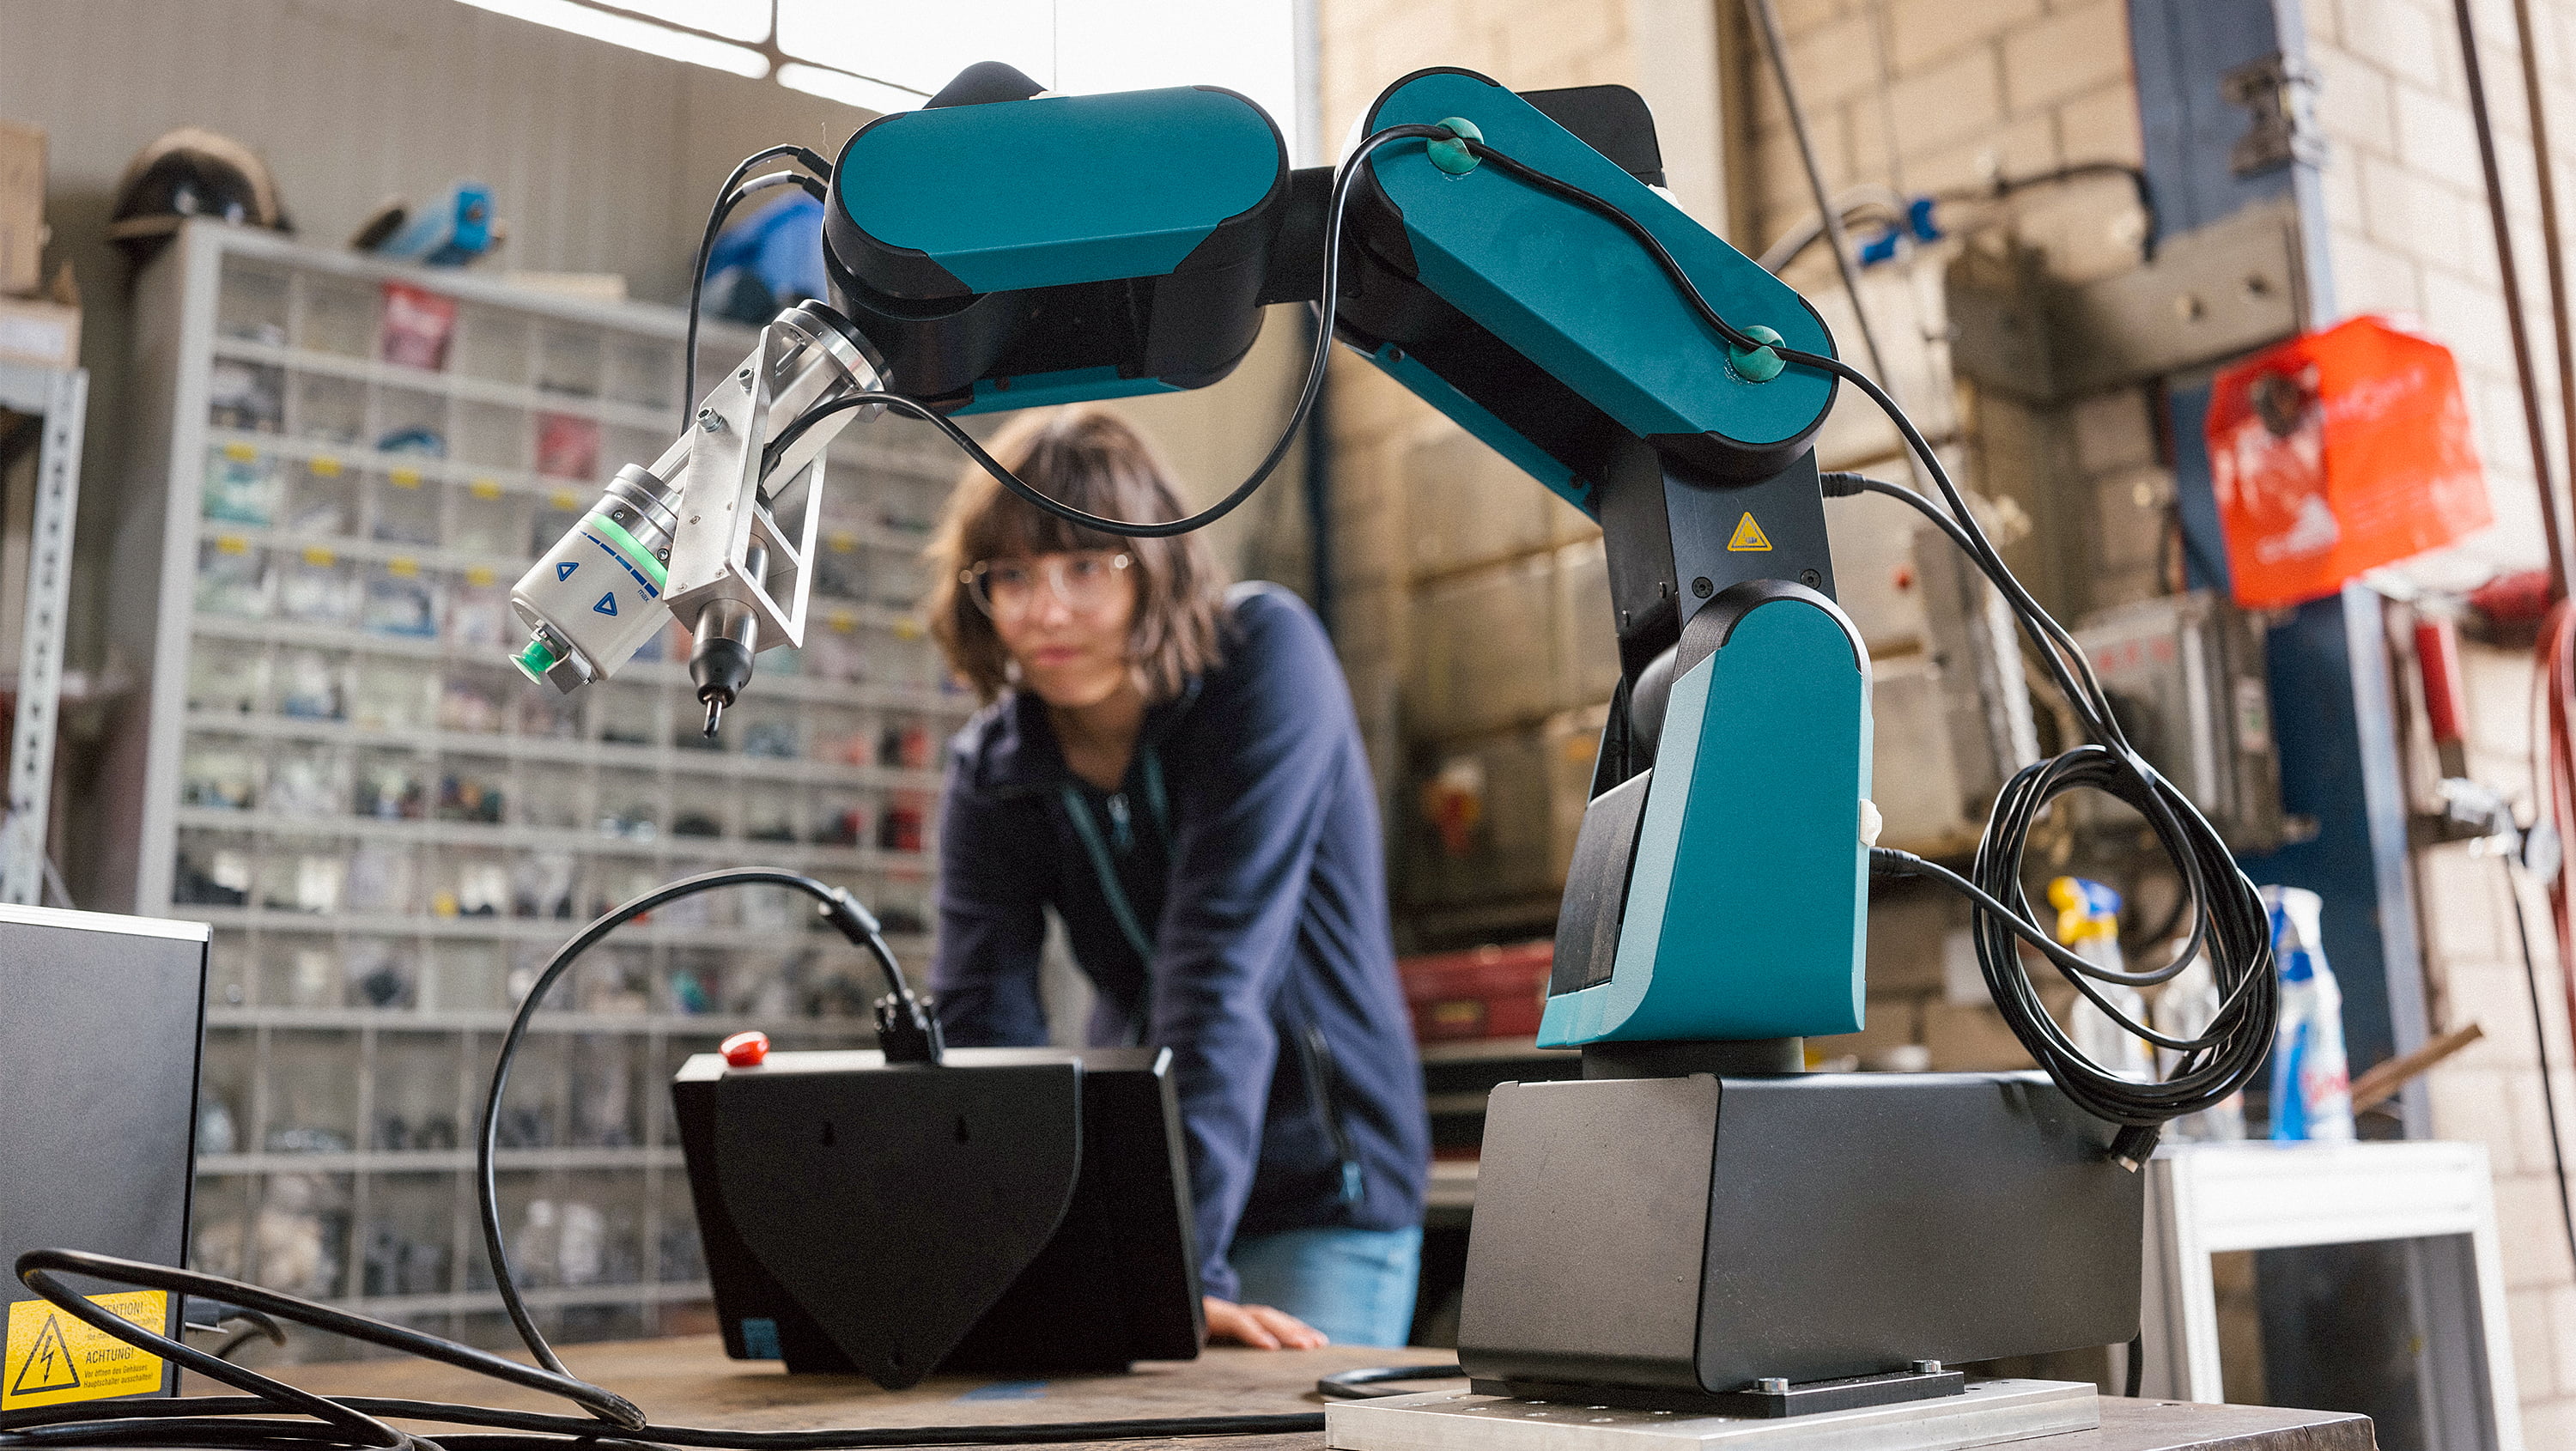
(1259,1326)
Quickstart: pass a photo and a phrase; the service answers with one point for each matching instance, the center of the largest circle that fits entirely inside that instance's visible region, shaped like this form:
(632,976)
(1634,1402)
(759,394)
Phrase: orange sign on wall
(2339,452)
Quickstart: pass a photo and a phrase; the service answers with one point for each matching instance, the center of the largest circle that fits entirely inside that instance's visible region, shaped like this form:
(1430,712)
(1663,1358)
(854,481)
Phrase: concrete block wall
(2408,232)
(1937,96)
(2407,220)
(1932,95)
(2043,85)
(1401,544)
(1940,95)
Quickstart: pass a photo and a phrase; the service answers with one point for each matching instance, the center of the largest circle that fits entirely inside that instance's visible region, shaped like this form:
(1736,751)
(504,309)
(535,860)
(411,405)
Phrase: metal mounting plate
(2210,294)
(1986,1413)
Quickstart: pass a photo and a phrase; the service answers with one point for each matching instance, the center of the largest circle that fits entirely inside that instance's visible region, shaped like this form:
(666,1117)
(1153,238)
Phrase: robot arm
(1506,258)
(979,261)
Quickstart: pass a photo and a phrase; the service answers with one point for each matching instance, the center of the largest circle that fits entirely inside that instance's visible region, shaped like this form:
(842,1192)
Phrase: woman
(1175,768)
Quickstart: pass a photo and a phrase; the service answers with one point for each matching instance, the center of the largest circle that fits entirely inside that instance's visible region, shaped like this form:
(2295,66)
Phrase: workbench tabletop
(686,1380)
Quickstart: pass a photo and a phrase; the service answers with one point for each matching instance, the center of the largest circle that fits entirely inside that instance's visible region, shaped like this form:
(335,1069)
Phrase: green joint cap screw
(539,657)
(1453,157)
(1757,365)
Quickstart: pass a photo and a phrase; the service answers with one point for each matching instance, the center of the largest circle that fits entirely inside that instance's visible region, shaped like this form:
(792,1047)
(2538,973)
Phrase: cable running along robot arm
(1510,260)
(1001,252)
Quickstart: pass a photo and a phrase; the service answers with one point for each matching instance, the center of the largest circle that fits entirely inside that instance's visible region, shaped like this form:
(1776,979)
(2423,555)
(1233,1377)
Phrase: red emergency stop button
(745,1049)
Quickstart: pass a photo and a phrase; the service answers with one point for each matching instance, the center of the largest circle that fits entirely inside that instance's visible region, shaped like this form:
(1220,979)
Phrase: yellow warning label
(486,488)
(53,1358)
(240,453)
(1748,538)
(325,468)
(404,478)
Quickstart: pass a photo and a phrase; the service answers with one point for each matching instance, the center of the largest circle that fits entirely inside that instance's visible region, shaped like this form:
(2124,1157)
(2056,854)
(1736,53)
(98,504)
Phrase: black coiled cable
(2229,923)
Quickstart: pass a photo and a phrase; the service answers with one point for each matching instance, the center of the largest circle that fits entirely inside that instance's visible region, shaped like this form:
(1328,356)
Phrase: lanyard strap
(1110,887)
(1154,800)
(1308,1040)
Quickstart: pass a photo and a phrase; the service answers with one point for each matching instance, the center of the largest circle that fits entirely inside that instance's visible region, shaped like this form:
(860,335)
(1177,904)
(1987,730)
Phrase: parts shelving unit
(390,830)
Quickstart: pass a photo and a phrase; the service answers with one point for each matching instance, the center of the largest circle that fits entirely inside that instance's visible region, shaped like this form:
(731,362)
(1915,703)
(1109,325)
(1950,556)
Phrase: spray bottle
(2185,1008)
(2088,920)
(2311,1084)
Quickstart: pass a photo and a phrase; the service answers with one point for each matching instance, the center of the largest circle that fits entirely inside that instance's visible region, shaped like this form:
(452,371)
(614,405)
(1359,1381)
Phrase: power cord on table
(248,1325)
(905,1031)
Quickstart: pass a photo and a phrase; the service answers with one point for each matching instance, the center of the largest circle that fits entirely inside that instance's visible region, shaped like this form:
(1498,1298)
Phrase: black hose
(732,192)
(1288,435)
(2540,1044)
(838,908)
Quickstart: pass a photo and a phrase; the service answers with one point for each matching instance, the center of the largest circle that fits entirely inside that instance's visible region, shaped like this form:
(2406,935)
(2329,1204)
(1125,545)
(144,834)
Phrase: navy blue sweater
(1245,843)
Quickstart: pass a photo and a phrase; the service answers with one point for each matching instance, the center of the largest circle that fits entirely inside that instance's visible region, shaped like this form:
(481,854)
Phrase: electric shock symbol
(1748,538)
(564,570)
(608,605)
(49,1364)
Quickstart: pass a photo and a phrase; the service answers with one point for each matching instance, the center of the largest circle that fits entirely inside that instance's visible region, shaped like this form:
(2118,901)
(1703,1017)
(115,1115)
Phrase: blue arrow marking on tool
(564,571)
(607,605)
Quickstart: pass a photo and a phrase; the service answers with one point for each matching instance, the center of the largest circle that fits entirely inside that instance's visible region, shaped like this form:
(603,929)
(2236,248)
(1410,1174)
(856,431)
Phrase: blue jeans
(1355,1285)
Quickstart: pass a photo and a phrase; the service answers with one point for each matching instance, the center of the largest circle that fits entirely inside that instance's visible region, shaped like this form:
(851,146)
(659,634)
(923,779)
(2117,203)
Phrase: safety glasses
(1007,589)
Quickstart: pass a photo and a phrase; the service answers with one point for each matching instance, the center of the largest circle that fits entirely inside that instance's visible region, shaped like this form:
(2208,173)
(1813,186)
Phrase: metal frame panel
(2206,1201)
(60,397)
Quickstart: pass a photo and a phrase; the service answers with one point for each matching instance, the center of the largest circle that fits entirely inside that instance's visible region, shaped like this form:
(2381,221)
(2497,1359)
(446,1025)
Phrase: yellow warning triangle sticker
(48,1366)
(1748,538)
(48,1358)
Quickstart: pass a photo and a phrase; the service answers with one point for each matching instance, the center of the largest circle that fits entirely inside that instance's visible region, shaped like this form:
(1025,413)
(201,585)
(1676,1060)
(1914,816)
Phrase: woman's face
(1065,619)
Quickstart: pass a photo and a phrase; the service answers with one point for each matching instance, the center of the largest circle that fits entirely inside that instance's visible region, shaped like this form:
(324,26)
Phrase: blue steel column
(2328,662)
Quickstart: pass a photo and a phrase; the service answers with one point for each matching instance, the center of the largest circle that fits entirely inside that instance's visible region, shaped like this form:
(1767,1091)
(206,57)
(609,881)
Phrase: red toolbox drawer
(1486,992)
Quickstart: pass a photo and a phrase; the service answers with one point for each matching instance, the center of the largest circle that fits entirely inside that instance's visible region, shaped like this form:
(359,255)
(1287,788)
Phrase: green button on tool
(537,659)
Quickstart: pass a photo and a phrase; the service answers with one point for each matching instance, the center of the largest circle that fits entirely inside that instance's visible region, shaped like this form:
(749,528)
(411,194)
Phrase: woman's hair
(1088,458)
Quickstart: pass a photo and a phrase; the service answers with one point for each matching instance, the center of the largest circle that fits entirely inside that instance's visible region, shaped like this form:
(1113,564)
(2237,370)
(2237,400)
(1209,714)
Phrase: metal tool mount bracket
(736,541)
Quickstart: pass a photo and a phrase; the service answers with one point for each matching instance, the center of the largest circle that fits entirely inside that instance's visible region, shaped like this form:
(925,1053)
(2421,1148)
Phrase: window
(886,55)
